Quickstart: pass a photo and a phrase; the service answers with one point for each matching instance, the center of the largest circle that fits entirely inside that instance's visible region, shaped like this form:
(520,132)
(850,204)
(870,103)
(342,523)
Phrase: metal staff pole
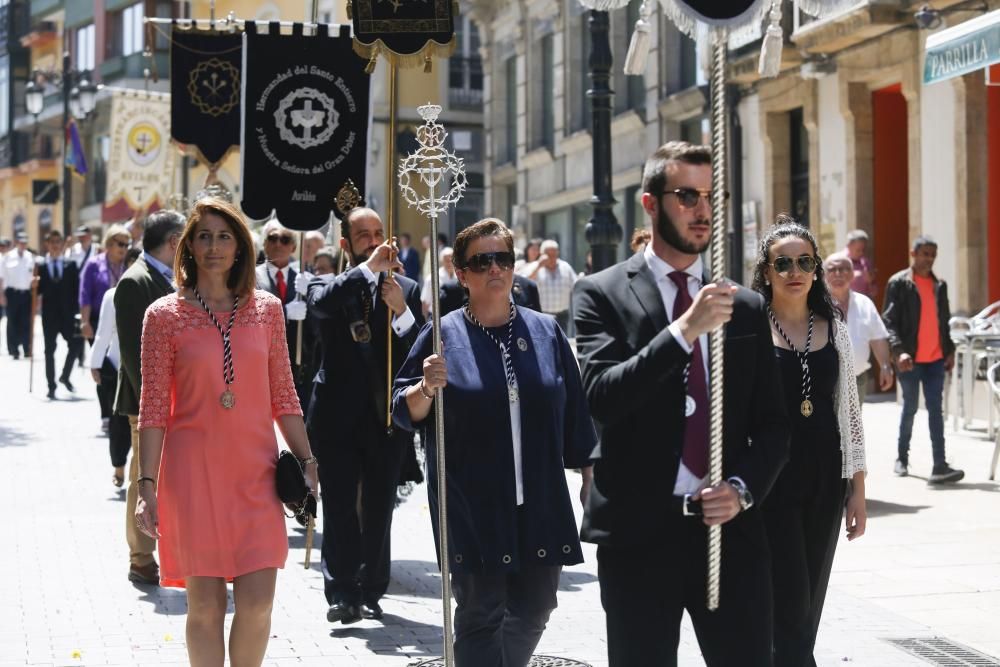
(718,271)
(390,208)
(430,166)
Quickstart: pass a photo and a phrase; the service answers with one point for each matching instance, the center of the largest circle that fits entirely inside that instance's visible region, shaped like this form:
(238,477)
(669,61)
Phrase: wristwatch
(746,498)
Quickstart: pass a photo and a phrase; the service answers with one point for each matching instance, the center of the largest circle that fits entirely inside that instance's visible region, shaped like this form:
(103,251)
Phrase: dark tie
(56,273)
(695,454)
(282,286)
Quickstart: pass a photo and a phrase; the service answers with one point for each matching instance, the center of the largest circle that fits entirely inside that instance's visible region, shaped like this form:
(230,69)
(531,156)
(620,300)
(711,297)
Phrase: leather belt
(685,506)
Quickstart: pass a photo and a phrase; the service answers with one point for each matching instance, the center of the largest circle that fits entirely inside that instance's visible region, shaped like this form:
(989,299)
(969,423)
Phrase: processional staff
(440,177)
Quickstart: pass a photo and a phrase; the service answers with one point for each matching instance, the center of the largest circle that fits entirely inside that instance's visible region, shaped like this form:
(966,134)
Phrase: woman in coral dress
(216,377)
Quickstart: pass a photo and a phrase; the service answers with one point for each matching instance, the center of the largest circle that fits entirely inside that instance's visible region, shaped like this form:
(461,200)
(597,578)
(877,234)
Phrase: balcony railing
(465,82)
(465,98)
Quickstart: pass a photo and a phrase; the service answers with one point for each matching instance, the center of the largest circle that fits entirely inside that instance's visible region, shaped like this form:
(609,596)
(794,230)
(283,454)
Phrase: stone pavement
(929,565)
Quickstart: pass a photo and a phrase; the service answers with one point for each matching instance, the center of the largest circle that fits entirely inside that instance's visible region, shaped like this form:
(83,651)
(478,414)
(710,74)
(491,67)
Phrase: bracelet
(421,386)
(145,479)
(307,461)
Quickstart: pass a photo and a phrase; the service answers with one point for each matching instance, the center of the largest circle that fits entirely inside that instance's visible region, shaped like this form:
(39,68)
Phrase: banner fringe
(687,20)
(421,58)
(604,5)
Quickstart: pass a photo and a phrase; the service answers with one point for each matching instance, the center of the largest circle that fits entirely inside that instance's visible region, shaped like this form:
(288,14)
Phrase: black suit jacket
(139,287)
(350,385)
(524,292)
(633,375)
(60,298)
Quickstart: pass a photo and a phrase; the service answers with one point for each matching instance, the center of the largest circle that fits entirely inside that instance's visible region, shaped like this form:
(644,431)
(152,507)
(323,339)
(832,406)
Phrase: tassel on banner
(770,52)
(638,48)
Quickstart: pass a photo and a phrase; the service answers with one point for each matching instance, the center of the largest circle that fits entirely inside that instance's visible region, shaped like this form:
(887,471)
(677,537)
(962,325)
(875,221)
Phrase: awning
(963,48)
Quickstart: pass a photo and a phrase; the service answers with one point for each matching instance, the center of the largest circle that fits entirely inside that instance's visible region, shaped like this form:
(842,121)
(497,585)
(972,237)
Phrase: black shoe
(52,394)
(343,612)
(944,473)
(15,355)
(371,610)
(902,469)
(68,385)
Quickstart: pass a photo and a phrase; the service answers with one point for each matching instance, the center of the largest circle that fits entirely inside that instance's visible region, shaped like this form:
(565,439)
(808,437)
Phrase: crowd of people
(203,339)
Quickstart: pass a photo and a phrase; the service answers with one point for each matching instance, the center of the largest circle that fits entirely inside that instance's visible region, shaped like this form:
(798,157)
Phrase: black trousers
(501,616)
(645,591)
(105,399)
(802,515)
(357,550)
(119,431)
(51,332)
(18,321)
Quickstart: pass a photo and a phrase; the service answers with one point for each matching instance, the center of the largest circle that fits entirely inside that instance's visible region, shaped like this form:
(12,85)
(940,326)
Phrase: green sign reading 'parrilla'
(962,55)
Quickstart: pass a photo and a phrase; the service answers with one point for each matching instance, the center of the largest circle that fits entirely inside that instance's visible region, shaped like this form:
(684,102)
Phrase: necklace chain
(803,356)
(228,371)
(508,364)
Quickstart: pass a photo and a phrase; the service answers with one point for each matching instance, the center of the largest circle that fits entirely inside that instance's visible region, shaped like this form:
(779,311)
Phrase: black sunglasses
(482,262)
(283,239)
(689,197)
(121,244)
(782,265)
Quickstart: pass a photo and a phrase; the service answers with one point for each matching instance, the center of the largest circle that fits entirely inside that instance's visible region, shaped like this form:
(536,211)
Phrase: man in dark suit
(148,279)
(523,293)
(347,415)
(409,257)
(58,287)
(642,338)
(277,276)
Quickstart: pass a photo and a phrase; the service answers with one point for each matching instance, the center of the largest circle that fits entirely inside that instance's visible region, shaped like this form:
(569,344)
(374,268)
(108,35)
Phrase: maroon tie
(695,455)
(282,286)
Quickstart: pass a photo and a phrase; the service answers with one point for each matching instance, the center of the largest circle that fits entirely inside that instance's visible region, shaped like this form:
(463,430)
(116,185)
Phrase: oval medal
(228,399)
(522,345)
(690,405)
(806,408)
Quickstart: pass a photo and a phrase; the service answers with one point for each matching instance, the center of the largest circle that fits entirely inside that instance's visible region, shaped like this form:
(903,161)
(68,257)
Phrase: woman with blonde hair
(216,376)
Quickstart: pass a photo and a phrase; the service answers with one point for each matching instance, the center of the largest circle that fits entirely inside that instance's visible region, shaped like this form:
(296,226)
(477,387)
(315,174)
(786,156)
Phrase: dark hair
(483,228)
(640,238)
(818,299)
(159,227)
(53,234)
(654,173)
(131,255)
(923,240)
(442,238)
(243,275)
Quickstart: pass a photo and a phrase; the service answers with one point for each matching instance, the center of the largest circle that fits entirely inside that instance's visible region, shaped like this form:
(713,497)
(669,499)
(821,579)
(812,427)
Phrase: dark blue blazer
(411,263)
(556,433)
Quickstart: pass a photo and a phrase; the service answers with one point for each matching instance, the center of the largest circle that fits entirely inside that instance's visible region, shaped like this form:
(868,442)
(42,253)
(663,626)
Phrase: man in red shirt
(916,316)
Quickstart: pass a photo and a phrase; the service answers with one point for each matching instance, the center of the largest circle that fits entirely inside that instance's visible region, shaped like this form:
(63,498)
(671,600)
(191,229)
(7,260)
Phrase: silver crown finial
(429,112)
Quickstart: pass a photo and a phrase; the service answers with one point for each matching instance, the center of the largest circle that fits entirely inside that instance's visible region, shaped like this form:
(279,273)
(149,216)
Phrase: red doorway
(890,184)
(993,183)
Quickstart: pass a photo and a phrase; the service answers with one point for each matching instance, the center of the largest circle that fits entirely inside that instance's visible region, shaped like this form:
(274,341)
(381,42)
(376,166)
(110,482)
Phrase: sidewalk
(929,565)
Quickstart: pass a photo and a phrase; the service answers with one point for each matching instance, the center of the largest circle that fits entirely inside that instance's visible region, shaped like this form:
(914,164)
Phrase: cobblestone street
(929,565)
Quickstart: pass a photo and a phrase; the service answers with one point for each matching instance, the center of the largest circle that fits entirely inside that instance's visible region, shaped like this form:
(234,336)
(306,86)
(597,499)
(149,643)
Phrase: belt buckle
(684,506)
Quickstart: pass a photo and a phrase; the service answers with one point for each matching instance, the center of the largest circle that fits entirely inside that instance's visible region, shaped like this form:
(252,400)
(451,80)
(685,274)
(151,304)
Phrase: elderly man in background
(312,241)
(446,273)
(17,268)
(864,324)
(81,251)
(863,280)
(555,279)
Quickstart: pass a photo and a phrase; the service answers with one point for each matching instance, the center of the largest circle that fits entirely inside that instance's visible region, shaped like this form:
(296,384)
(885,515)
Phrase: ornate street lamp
(79,100)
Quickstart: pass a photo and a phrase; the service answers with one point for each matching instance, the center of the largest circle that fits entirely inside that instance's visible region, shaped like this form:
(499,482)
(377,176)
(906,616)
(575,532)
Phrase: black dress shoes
(343,612)
(371,610)
(52,394)
(68,384)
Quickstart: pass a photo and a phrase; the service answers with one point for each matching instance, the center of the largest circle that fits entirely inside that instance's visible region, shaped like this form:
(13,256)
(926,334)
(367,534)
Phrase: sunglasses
(122,244)
(689,197)
(782,265)
(283,239)
(482,262)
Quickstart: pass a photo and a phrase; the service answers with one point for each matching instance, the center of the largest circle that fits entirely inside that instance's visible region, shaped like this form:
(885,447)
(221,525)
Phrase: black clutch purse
(292,488)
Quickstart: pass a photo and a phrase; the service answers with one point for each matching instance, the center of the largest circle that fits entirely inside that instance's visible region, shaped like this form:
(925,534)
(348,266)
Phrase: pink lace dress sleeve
(284,399)
(157,364)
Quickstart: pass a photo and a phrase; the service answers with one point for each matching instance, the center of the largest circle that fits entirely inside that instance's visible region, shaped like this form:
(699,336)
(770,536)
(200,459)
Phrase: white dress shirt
(78,255)
(686,482)
(863,325)
(17,269)
(273,271)
(400,323)
(106,336)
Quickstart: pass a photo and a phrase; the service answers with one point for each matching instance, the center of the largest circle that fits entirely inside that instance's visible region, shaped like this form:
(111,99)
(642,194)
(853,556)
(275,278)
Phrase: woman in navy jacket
(515,417)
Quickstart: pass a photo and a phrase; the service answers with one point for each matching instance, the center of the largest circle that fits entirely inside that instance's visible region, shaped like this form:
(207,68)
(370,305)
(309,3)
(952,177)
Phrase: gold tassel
(428,64)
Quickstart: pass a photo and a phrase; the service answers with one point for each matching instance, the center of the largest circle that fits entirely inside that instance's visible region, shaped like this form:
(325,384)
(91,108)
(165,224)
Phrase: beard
(668,231)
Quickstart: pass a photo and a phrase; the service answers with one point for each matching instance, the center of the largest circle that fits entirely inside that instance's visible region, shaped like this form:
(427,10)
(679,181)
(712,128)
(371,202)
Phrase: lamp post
(79,98)
(603,231)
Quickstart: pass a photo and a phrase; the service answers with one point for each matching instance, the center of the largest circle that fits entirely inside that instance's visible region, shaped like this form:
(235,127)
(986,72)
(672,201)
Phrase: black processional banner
(205,92)
(407,32)
(305,125)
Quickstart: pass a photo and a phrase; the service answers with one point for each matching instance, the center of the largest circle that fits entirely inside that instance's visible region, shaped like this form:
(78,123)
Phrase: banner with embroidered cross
(305,125)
